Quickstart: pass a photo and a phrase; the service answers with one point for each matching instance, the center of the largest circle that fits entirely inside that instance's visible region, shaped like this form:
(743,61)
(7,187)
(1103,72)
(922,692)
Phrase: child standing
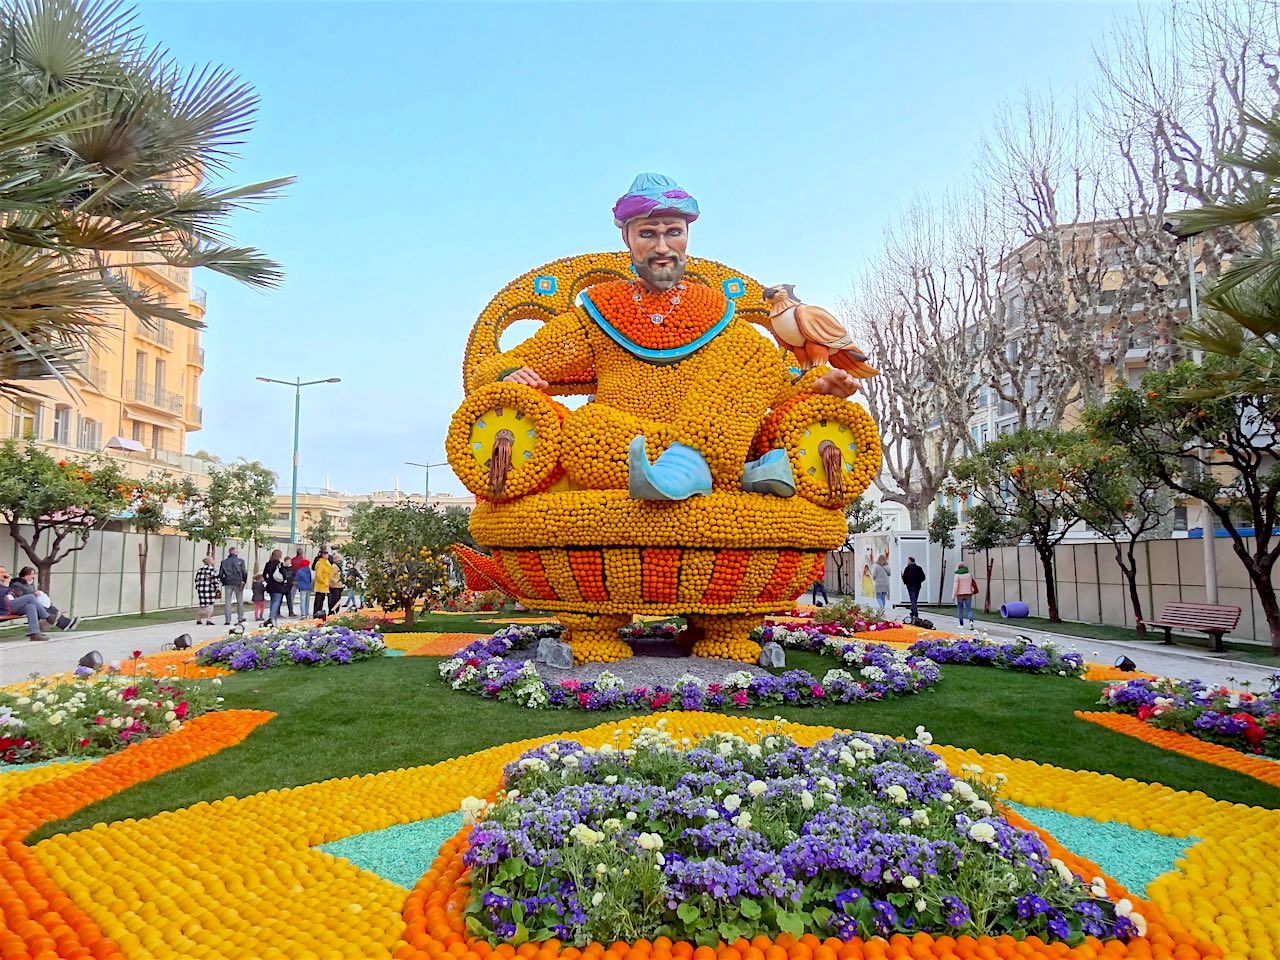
(259,598)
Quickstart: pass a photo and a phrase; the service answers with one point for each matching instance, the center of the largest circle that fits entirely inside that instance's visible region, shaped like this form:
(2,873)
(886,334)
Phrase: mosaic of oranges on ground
(242,878)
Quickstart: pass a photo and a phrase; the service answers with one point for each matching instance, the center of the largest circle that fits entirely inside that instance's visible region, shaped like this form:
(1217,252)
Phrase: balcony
(199,298)
(141,392)
(195,356)
(178,277)
(96,377)
(195,414)
(157,333)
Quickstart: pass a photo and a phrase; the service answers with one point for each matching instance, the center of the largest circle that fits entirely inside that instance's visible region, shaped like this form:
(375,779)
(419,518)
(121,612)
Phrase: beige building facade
(338,505)
(136,390)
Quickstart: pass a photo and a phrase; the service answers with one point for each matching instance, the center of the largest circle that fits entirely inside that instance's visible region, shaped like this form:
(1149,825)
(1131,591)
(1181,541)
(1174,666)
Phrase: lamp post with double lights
(426,480)
(297,385)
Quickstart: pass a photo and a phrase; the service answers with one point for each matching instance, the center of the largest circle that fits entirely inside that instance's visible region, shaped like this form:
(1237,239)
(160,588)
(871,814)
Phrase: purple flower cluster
(1240,719)
(1022,655)
(858,835)
(318,646)
(872,672)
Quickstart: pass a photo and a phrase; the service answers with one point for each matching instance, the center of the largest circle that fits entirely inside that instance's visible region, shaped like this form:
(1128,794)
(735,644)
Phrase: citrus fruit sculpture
(705,477)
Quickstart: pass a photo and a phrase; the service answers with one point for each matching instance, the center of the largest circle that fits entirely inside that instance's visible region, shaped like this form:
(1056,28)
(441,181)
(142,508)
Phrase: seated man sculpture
(682,383)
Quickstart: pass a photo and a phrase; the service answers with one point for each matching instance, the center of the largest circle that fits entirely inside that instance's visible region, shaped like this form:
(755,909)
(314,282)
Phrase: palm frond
(71,44)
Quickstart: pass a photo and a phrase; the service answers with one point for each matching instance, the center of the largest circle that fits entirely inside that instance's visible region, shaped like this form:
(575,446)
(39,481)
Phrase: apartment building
(137,389)
(312,503)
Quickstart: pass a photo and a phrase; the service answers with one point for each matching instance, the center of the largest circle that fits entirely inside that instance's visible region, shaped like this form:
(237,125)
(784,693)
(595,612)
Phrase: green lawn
(394,712)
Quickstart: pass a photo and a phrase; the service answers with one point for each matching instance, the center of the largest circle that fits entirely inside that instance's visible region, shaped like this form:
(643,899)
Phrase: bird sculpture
(813,334)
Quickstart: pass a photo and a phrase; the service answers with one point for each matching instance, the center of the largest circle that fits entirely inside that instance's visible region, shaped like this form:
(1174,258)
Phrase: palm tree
(1241,321)
(106,145)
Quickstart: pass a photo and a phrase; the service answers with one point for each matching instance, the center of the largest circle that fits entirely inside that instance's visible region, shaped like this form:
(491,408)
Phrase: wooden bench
(1212,618)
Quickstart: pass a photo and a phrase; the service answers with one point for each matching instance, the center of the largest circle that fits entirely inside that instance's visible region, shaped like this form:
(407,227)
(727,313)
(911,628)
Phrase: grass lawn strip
(1260,768)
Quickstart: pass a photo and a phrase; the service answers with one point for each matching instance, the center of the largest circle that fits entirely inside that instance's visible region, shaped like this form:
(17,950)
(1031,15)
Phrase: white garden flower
(471,807)
(732,802)
(897,793)
(612,825)
(920,817)
(742,821)
(1068,877)
(806,800)
(585,835)
(981,807)
(631,815)
(910,882)
(982,832)
(601,869)
(56,718)
(1098,887)
(1124,908)
(598,897)
(170,716)
(757,787)
(649,841)
(923,736)
(1140,922)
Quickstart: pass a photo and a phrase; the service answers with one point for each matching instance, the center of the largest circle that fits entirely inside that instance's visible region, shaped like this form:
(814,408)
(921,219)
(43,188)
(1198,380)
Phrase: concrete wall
(1092,588)
(102,578)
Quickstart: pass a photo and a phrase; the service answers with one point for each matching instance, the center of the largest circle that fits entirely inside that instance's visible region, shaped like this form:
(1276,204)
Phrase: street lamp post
(426,480)
(297,385)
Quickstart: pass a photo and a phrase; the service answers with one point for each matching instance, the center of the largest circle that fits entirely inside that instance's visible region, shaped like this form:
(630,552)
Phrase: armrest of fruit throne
(575,507)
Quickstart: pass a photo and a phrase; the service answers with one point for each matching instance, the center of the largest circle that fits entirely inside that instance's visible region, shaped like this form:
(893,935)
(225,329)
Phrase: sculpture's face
(658,246)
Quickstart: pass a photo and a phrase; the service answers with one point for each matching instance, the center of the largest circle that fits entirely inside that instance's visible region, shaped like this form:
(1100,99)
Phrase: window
(26,419)
(159,374)
(88,434)
(140,367)
(62,425)
(157,438)
(137,431)
(1180,518)
(1134,376)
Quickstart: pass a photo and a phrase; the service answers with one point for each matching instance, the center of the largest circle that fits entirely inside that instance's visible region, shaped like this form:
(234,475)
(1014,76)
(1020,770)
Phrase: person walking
(259,598)
(964,587)
(233,574)
(355,586)
(336,584)
(303,578)
(913,577)
(323,570)
(208,590)
(880,580)
(276,575)
(296,564)
(820,587)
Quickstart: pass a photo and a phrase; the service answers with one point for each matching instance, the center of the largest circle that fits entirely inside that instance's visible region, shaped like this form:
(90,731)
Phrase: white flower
(920,817)
(1067,876)
(56,718)
(981,807)
(601,869)
(725,749)
(611,779)
(757,787)
(712,813)
(598,896)
(585,835)
(170,716)
(471,807)
(631,815)
(897,793)
(116,723)
(964,791)
(753,751)
(923,736)
(1140,922)
(649,841)
(910,882)
(732,802)
(982,832)
(742,821)
(806,800)
(1098,887)
(920,904)
(1124,908)
(904,821)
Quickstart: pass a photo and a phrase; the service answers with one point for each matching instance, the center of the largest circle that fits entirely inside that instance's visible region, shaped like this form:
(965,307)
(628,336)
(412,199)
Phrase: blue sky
(441,150)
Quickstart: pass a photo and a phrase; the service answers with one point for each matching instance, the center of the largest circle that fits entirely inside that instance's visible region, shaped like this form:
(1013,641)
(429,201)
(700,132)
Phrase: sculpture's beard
(664,277)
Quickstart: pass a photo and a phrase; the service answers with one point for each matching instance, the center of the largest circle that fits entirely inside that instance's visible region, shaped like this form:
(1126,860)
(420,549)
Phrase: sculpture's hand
(528,377)
(837,383)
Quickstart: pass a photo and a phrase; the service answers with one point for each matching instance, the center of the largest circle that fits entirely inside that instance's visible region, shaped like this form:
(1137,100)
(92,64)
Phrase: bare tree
(915,309)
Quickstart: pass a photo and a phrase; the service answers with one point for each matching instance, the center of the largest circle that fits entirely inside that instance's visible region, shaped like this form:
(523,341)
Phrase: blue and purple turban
(652,192)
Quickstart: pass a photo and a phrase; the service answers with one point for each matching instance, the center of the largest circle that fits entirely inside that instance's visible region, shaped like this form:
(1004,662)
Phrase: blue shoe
(680,473)
(770,474)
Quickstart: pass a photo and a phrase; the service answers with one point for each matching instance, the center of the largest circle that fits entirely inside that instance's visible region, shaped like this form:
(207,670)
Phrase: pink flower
(740,698)
(570,685)
(99,721)
(584,698)
(137,653)
(659,700)
(713,688)
(817,690)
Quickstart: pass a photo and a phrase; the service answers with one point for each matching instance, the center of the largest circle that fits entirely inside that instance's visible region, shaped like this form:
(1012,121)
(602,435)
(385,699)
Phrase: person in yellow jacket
(323,574)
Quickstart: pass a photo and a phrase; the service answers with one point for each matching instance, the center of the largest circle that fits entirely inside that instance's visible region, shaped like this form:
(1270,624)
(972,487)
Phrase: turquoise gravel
(1134,857)
(400,854)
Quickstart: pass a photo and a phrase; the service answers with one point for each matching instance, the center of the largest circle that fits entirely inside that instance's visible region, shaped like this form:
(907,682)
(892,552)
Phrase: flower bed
(1241,720)
(314,646)
(879,672)
(92,716)
(857,835)
(1022,655)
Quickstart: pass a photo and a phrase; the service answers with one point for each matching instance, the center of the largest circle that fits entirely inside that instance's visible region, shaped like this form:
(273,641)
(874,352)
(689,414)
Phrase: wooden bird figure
(813,334)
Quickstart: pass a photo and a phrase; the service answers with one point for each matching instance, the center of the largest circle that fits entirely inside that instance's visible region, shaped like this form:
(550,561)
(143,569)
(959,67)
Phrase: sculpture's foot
(594,637)
(726,636)
(679,473)
(770,474)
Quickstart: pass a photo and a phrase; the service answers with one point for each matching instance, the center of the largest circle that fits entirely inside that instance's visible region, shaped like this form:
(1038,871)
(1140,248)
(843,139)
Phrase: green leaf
(792,923)
(749,909)
(517,911)
(521,935)
(822,917)
(477,929)
(688,912)
(729,930)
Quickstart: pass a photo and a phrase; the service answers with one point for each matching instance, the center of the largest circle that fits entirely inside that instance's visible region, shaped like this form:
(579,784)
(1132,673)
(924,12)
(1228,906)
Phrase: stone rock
(559,655)
(544,645)
(772,655)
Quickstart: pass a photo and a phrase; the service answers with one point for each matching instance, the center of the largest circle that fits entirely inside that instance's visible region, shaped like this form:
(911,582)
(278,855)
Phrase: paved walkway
(21,658)
(1188,663)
